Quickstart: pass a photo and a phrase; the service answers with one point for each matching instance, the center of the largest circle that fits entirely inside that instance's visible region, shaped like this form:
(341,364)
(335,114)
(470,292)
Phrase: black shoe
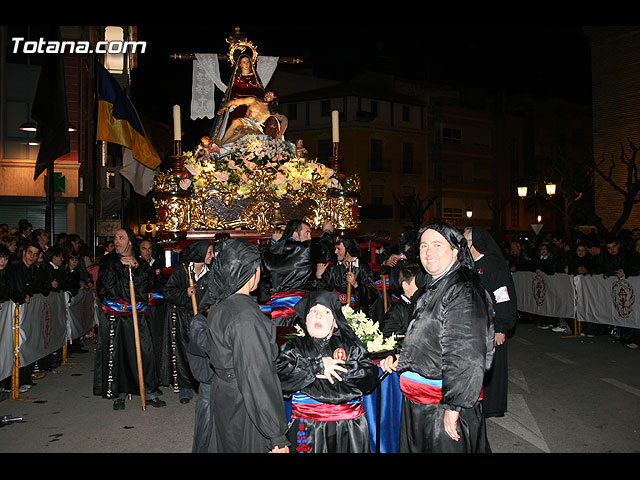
(118,404)
(156,402)
(185,400)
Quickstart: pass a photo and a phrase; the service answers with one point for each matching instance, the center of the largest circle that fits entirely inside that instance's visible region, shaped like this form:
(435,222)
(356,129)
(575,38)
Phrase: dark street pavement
(566,395)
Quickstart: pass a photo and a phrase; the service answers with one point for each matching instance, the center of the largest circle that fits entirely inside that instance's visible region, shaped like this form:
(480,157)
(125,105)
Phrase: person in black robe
(247,408)
(349,269)
(116,372)
(200,366)
(21,285)
(326,372)
(287,272)
(50,279)
(71,278)
(493,270)
(156,313)
(4,262)
(397,318)
(447,350)
(49,276)
(194,265)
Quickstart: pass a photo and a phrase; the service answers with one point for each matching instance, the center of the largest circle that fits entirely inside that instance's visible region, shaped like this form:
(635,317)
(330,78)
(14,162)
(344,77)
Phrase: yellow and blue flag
(118,121)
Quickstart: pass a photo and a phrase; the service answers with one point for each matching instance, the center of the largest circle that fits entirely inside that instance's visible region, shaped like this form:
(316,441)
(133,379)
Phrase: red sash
(282,303)
(324,411)
(422,392)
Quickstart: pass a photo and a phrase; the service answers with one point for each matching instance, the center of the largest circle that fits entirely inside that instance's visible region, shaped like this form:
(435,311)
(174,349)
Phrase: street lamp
(469,215)
(550,190)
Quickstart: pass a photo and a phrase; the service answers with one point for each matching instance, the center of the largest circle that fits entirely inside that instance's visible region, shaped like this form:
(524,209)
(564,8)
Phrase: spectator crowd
(582,254)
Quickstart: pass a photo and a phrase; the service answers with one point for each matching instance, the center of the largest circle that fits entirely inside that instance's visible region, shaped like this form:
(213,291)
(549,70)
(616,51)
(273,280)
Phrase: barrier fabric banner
(546,295)
(43,326)
(82,314)
(7,310)
(610,301)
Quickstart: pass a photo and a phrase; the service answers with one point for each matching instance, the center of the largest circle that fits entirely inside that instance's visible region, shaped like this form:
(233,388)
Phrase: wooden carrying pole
(136,331)
(194,302)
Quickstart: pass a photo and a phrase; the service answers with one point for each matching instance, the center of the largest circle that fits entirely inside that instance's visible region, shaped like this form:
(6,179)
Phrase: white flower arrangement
(233,168)
(366,329)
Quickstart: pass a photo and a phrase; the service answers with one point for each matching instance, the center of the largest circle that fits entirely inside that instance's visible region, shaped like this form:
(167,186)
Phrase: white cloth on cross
(206,77)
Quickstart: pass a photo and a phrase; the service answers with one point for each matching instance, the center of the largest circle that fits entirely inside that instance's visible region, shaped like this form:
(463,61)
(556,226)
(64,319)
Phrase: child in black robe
(327,371)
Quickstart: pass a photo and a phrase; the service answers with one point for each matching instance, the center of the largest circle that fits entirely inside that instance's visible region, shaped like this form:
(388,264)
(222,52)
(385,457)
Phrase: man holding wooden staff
(350,277)
(125,351)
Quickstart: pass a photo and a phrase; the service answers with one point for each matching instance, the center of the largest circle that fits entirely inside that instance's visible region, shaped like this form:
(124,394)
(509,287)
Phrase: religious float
(245,179)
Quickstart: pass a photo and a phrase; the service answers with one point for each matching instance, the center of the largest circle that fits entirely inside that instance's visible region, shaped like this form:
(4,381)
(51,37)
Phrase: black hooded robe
(247,408)
(493,270)
(334,280)
(180,311)
(116,370)
(286,275)
(158,325)
(448,348)
(326,418)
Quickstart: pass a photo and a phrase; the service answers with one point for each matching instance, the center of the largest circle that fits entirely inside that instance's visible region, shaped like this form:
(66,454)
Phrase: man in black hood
(193,268)
(116,371)
(448,347)
(493,270)
(287,272)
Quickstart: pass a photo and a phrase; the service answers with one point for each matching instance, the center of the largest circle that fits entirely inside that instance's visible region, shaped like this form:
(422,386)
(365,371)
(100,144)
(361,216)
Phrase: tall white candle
(335,125)
(177,130)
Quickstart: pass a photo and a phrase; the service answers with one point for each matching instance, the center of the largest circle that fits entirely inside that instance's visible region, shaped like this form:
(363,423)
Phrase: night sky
(545,61)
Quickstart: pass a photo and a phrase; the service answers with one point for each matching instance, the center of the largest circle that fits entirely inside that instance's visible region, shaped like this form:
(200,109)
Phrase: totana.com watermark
(20,45)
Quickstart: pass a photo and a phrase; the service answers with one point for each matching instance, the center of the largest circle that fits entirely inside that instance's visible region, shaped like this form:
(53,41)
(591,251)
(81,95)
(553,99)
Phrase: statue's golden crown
(238,44)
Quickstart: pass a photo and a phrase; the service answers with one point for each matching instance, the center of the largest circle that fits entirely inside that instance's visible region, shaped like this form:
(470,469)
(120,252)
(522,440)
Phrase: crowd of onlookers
(31,262)
(582,254)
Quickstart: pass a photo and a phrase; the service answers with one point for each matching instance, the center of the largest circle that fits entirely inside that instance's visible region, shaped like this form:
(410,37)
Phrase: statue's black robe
(247,408)
(116,370)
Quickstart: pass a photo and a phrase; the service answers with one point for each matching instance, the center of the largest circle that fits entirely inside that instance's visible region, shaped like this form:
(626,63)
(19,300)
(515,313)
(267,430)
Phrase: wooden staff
(134,312)
(383,279)
(194,302)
